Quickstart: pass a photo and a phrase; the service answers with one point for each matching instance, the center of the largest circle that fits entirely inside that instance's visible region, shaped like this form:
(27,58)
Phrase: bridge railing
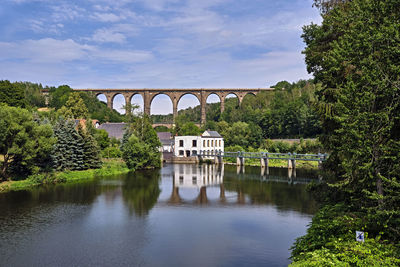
(265,155)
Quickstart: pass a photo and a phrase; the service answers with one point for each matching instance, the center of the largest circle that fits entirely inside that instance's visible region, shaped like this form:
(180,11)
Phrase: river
(180,215)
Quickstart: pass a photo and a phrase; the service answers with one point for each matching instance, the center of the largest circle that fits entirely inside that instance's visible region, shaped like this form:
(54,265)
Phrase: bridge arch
(119,103)
(138,100)
(211,99)
(188,100)
(101,97)
(161,104)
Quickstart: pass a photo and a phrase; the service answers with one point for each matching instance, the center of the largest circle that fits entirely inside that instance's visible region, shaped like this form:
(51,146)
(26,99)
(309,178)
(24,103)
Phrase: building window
(219,142)
(212,142)
(194,180)
(194,153)
(194,143)
(204,143)
(180,179)
(208,143)
(181,152)
(181,143)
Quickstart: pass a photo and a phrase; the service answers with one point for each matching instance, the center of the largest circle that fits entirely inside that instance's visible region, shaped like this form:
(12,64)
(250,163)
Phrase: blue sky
(154,43)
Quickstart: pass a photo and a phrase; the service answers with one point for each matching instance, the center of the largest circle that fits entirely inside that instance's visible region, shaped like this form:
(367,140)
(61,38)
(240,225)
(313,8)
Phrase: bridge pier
(146,102)
(264,161)
(292,161)
(240,159)
(218,160)
(222,98)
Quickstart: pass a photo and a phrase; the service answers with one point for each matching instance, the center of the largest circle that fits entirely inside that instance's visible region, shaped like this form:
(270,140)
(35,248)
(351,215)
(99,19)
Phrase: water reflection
(222,185)
(140,193)
(142,218)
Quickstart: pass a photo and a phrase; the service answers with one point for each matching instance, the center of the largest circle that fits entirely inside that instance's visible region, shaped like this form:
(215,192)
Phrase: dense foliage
(24,144)
(11,94)
(74,108)
(355,54)
(75,149)
(96,109)
(140,144)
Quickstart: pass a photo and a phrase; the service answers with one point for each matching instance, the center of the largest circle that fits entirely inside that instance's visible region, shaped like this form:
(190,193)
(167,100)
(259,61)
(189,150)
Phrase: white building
(210,142)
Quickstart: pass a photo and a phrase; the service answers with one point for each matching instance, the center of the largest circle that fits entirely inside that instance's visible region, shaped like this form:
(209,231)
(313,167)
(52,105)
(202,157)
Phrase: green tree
(91,149)
(68,153)
(102,138)
(33,93)
(355,54)
(24,144)
(11,94)
(140,144)
(59,96)
(189,128)
(74,108)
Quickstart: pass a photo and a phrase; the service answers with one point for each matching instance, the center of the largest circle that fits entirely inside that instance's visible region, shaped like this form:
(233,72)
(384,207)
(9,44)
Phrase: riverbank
(109,167)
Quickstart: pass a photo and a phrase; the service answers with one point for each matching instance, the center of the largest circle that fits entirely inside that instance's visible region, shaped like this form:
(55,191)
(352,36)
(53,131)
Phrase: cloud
(59,51)
(44,50)
(115,34)
(108,35)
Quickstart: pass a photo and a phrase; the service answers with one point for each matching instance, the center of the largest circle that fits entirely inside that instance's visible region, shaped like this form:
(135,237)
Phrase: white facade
(196,176)
(188,146)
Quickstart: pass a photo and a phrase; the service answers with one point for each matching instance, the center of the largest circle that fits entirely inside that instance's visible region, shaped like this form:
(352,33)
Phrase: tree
(91,149)
(74,108)
(102,138)
(355,53)
(68,153)
(189,128)
(11,94)
(59,96)
(24,143)
(33,94)
(140,144)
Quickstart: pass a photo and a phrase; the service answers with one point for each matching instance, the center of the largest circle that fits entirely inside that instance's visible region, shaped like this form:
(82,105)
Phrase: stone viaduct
(175,95)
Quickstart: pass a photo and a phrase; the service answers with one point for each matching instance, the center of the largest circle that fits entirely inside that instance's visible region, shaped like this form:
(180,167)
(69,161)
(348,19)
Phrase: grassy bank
(109,167)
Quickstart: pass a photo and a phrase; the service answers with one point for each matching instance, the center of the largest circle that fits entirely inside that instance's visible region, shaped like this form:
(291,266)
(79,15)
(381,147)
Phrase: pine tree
(91,149)
(68,152)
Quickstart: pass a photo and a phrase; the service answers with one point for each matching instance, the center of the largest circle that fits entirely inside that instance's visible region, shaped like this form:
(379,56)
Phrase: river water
(180,215)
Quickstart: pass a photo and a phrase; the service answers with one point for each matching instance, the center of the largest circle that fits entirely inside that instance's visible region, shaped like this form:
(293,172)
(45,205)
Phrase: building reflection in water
(218,184)
(198,177)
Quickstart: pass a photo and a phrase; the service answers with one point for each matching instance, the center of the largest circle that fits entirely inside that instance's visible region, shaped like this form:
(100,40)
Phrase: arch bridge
(175,95)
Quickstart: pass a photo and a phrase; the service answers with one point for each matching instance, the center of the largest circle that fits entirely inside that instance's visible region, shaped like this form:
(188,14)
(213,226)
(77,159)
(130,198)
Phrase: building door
(187,153)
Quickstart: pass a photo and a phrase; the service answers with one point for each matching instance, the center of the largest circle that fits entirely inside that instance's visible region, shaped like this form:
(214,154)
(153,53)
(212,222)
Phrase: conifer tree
(91,149)
(68,152)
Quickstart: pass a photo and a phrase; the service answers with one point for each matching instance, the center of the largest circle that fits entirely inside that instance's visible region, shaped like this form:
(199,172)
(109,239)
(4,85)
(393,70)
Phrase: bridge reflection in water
(192,184)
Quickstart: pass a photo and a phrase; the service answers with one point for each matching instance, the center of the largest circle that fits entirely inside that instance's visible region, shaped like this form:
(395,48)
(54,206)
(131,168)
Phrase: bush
(111,152)
(350,253)
(330,241)
(46,178)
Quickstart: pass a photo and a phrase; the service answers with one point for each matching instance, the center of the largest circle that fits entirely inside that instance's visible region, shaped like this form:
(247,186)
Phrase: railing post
(290,166)
(320,160)
(262,160)
(239,159)
(294,161)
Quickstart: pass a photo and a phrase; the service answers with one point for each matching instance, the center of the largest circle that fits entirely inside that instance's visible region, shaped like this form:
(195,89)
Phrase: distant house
(210,141)
(166,141)
(82,123)
(113,129)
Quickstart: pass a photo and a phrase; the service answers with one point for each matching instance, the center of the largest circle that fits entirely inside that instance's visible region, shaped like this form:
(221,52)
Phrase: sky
(154,44)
